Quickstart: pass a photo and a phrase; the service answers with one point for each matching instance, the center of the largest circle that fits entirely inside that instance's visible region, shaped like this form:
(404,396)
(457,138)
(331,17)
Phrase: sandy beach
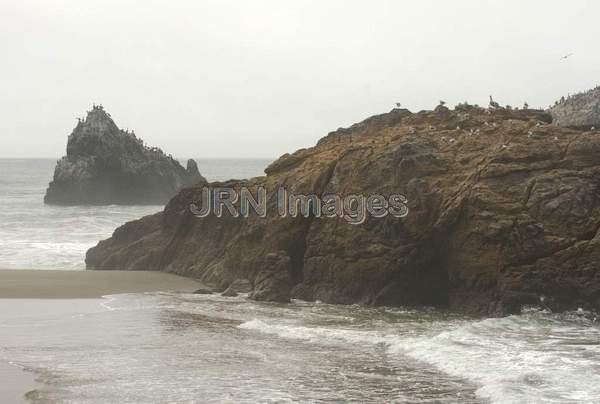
(34,284)
(57,285)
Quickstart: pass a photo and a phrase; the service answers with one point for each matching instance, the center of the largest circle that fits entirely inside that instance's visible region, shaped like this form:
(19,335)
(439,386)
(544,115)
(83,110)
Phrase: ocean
(37,236)
(186,348)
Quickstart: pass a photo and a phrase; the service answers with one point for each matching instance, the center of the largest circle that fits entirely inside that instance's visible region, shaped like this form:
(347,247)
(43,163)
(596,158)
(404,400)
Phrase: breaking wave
(526,358)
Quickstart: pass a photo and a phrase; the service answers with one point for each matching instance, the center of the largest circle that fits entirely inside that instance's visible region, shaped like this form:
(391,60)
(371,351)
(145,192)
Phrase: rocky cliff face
(106,165)
(579,111)
(504,210)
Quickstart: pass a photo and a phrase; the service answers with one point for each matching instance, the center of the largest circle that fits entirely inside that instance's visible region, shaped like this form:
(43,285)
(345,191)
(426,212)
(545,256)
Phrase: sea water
(175,347)
(38,236)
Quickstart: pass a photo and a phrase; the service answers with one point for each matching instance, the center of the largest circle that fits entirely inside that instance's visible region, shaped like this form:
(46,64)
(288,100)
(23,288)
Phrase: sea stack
(106,165)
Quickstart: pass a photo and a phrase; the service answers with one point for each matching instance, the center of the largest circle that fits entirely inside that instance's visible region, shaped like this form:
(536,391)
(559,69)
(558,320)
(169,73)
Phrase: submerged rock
(504,207)
(204,291)
(106,165)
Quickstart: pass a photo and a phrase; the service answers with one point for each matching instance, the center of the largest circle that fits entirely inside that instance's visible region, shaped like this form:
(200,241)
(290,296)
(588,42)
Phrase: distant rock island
(579,111)
(107,165)
(504,211)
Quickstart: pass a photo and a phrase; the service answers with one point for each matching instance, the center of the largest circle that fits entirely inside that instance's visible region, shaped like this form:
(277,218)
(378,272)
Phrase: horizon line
(177,158)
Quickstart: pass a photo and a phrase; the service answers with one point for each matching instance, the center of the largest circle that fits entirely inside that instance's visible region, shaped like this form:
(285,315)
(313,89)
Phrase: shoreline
(54,285)
(16,383)
(84,284)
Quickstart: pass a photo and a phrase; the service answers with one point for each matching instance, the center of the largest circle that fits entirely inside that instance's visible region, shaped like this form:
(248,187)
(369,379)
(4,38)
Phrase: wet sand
(62,287)
(34,284)
(15,383)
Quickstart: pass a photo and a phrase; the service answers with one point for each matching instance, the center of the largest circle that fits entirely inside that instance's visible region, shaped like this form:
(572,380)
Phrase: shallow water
(188,348)
(149,348)
(37,236)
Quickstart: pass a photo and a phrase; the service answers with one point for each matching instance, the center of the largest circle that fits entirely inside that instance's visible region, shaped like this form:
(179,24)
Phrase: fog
(220,78)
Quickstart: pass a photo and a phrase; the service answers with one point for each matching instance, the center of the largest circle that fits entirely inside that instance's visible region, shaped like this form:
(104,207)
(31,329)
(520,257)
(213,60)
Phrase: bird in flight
(566,56)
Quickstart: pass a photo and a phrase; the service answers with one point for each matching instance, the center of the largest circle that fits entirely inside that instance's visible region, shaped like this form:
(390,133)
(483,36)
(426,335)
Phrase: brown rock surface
(503,208)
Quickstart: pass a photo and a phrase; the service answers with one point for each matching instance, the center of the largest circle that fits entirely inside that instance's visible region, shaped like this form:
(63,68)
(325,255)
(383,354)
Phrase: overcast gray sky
(223,78)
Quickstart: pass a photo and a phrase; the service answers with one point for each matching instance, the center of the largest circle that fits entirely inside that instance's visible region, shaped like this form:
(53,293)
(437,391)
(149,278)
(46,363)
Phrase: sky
(257,79)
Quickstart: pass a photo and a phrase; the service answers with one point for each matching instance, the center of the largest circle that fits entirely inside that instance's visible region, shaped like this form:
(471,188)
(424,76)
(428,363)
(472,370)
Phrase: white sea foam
(318,334)
(233,350)
(513,360)
(165,348)
(511,366)
(38,236)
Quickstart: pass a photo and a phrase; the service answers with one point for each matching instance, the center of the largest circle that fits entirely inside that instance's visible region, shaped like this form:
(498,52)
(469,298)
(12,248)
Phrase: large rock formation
(106,165)
(504,210)
(579,111)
